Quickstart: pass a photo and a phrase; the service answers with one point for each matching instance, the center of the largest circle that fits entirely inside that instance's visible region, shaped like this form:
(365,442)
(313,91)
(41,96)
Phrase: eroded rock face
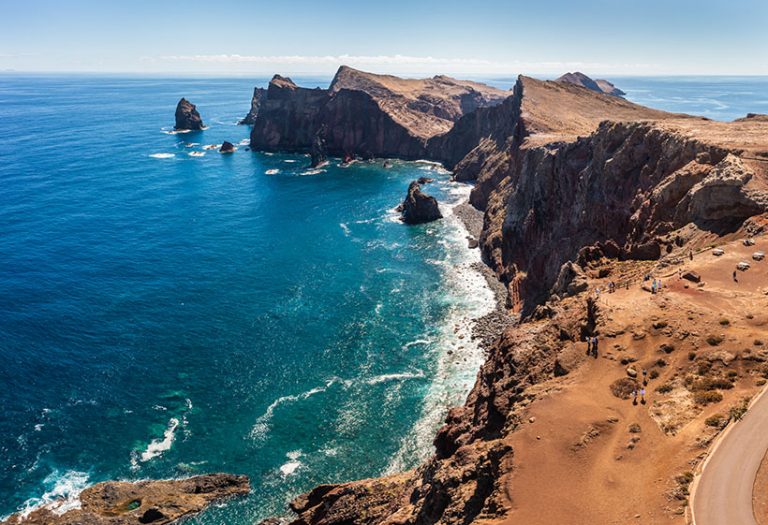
(259,94)
(187,117)
(227,147)
(365,115)
(418,207)
(156,502)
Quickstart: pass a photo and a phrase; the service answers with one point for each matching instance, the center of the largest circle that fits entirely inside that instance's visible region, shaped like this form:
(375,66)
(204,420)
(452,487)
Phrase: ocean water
(165,314)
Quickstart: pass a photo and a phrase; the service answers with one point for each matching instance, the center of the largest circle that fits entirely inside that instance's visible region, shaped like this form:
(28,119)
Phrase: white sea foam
(196,153)
(274,171)
(61,495)
(455,373)
(158,446)
(417,342)
(162,155)
(263,423)
(290,161)
(385,378)
(345,228)
(315,171)
(293,464)
(244,142)
(212,146)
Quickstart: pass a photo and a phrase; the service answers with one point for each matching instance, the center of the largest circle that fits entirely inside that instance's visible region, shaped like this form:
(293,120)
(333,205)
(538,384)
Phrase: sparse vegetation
(704,368)
(737,412)
(664,389)
(716,421)
(724,322)
(711,383)
(661,363)
(758,342)
(667,348)
(623,388)
(714,340)
(653,374)
(634,428)
(691,356)
(658,325)
(707,396)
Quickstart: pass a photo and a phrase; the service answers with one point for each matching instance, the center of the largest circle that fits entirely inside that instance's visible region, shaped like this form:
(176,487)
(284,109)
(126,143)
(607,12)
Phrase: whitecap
(61,495)
(345,228)
(384,378)
(290,161)
(417,342)
(272,172)
(289,467)
(262,426)
(162,155)
(158,446)
(244,142)
(312,171)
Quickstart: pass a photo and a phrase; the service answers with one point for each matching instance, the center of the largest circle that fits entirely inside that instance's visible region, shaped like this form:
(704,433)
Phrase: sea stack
(318,150)
(187,117)
(227,147)
(418,207)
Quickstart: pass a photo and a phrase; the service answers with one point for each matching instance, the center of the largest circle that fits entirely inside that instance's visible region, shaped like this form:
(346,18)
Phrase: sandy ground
(583,455)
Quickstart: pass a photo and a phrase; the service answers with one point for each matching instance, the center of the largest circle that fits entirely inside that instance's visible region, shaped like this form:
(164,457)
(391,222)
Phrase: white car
(718,252)
(742,266)
(758,256)
(748,242)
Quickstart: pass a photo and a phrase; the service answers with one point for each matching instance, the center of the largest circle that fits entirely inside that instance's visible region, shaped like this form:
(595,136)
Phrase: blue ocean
(166,310)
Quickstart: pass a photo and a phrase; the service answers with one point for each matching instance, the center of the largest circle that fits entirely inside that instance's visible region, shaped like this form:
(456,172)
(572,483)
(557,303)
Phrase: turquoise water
(164,315)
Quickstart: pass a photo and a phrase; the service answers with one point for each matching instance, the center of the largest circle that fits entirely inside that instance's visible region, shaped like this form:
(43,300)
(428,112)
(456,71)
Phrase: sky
(470,37)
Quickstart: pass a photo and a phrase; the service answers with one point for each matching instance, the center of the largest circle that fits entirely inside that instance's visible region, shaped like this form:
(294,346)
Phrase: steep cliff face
(365,114)
(187,116)
(259,94)
(568,179)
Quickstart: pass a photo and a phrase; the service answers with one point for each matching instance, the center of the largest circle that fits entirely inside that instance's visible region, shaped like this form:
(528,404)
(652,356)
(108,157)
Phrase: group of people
(640,391)
(655,283)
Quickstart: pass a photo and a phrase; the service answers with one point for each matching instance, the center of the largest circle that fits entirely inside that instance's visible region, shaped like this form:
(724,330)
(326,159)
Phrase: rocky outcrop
(598,86)
(567,178)
(365,115)
(227,147)
(141,502)
(187,117)
(318,150)
(259,94)
(418,207)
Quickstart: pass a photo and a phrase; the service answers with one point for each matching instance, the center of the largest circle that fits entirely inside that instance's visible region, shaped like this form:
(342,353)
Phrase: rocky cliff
(575,185)
(365,114)
(259,94)
(124,503)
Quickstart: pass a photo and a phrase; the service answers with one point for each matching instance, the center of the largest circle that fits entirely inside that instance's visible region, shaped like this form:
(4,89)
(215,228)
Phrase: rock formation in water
(259,94)
(418,207)
(574,186)
(365,115)
(227,147)
(187,117)
(141,502)
(598,85)
(318,150)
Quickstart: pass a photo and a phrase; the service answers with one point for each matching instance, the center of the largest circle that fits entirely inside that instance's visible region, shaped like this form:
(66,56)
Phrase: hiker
(589,345)
(653,287)
(594,345)
(734,277)
(690,254)
(642,396)
(634,397)
(645,377)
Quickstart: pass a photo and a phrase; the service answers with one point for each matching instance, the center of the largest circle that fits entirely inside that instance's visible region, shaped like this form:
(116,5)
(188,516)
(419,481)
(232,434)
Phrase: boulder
(424,180)
(418,207)
(187,117)
(570,281)
(692,276)
(227,147)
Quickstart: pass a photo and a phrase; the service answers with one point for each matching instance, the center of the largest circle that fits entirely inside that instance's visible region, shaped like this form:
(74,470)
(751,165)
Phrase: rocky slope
(365,114)
(418,207)
(124,503)
(578,188)
(598,86)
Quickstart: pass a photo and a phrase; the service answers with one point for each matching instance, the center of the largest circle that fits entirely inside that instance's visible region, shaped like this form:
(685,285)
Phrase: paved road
(723,495)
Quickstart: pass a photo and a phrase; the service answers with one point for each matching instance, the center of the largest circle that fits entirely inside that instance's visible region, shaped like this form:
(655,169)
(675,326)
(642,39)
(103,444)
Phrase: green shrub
(691,356)
(664,389)
(737,412)
(653,374)
(724,322)
(711,383)
(715,421)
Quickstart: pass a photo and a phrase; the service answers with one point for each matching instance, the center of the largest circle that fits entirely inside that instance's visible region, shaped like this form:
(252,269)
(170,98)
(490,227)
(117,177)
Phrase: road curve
(722,495)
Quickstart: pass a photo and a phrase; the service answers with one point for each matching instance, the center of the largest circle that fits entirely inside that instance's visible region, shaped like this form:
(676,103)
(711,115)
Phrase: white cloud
(390,63)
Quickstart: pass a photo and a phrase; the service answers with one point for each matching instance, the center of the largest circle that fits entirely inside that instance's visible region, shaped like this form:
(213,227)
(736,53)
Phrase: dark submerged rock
(227,147)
